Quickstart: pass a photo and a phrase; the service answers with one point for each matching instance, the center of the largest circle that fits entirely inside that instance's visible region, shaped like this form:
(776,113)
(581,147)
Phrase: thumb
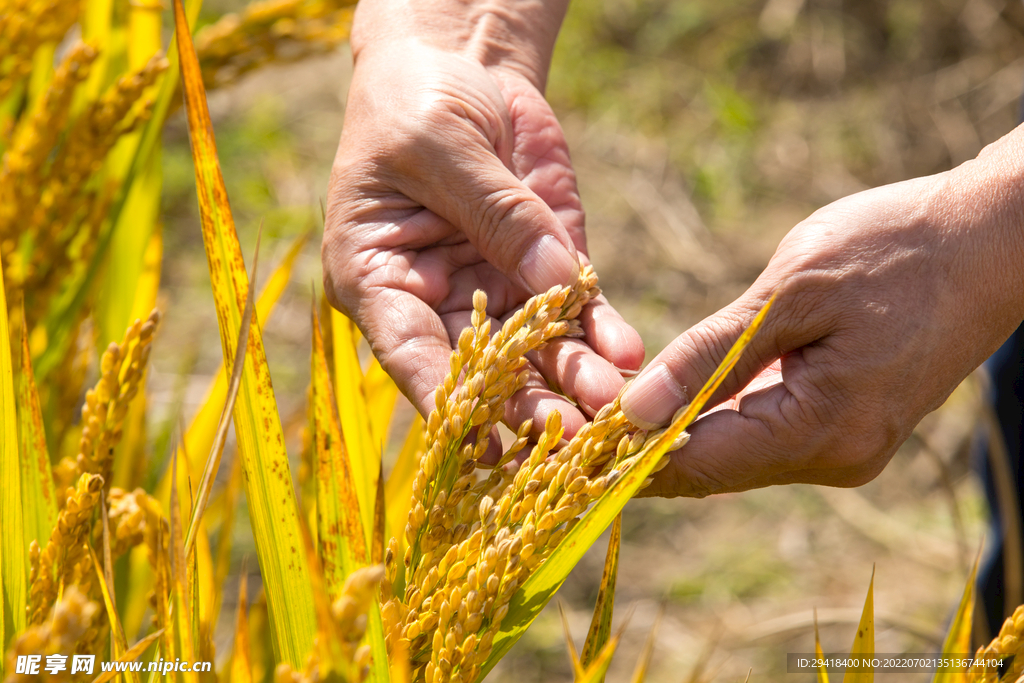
(507,222)
(677,374)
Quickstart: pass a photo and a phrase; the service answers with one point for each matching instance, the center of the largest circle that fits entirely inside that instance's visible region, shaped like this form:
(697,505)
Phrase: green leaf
(380,670)
(272,507)
(40,498)
(539,588)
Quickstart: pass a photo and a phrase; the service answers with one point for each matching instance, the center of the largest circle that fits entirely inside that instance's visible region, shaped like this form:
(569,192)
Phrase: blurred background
(701,131)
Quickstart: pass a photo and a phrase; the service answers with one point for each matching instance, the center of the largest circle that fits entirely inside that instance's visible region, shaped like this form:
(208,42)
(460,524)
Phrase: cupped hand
(451,177)
(886,300)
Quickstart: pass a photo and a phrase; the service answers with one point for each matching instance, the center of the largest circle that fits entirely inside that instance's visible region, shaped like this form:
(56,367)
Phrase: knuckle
(706,340)
(492,215)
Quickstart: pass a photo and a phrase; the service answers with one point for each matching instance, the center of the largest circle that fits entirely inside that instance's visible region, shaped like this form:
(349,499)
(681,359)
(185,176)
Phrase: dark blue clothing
(1005,369)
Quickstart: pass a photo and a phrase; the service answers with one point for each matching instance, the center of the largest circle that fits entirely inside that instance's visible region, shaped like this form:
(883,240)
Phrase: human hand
(453,176)
(886,300)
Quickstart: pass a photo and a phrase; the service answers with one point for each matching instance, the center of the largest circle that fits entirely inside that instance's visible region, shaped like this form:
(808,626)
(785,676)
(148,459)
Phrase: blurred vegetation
(801,100)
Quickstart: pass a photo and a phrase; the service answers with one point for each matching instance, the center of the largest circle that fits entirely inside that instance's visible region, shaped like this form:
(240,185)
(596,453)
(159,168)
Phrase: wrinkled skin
(887,299)
(452,174)
(445,179)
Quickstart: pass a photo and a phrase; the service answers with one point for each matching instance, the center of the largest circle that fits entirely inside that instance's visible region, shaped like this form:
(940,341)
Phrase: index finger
(409,339)
(774,436)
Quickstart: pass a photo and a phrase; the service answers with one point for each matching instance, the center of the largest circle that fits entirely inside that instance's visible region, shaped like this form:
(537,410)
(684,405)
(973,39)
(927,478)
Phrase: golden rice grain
(66,548)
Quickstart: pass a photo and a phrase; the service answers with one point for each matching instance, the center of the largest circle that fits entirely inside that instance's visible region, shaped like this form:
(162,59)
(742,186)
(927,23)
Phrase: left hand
(886,301)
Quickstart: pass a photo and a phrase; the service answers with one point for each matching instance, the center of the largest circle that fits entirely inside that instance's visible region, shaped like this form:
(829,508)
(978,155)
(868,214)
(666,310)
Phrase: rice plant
(430,574)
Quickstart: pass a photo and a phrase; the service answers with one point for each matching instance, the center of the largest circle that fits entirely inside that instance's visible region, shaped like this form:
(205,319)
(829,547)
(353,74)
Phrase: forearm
(984,204)
(517,35)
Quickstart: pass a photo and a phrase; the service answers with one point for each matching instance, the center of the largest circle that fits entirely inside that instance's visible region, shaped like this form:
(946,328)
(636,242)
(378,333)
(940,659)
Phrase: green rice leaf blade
(541,586)
(273,509)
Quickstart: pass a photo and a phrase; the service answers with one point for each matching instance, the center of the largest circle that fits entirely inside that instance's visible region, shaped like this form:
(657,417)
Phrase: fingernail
(596,383)
(653,398)
(620,341)
(548,264)
(626,372)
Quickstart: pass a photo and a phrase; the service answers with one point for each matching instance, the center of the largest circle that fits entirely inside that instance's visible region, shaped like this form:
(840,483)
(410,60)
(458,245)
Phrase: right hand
(451,177)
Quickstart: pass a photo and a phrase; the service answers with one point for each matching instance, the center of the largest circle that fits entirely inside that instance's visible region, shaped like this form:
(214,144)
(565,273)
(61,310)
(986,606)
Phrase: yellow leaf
(644,663)
(574,656)
(97,27)
(117,631)
(340,534)
(144,28)
(241,658)
(381,396)
(595,673)
(203,428)
(355,422)
(133,653)
(822,671)
(261,639)
(13,547)
(398,489)
(864,641)
(217,447)
(958,638)
(228,501)
(601,624)
(269,491)
(129,464)
(379,526)
(181,617)
(205,589)
(40,500)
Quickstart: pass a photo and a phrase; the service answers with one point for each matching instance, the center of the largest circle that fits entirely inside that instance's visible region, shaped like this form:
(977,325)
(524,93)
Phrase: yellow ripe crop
(472,542)
(428,574)
(60,559)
